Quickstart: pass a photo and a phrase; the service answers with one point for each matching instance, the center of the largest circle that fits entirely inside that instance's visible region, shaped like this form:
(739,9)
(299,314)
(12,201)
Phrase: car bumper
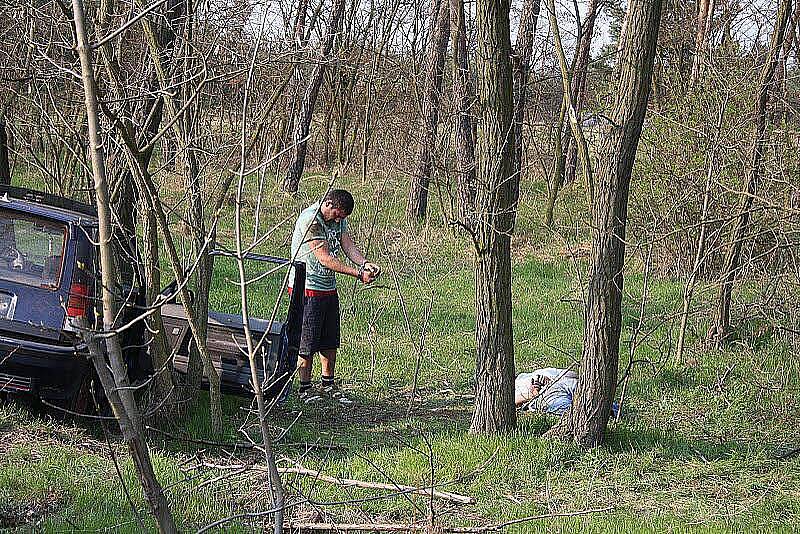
(49,371)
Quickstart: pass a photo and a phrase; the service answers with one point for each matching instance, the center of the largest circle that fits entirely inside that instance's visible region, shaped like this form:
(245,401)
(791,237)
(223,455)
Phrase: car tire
(81,402)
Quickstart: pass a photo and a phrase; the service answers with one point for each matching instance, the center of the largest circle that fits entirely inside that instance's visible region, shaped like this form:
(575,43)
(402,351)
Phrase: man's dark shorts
(321,327)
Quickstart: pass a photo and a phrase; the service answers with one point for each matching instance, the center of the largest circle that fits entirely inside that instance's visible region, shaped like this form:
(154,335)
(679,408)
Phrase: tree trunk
(782,73)
(183,127)
(722,324)
(557,180)
(438,37)
(523,49)
(200,281)
(115,383)
(705,14)
(568,121)
(464,97)
(5,164)
(155,336)
(585,422)
(302,123)
(700,252)
(497,184)
(150,116)
(580,75)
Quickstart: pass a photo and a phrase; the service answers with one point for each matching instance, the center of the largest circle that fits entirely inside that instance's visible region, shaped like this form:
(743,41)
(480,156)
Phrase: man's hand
(372,268)
(368,272)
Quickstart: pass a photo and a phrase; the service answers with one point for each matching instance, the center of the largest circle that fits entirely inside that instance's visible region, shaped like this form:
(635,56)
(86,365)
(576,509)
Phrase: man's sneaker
(309,396)
(333,392)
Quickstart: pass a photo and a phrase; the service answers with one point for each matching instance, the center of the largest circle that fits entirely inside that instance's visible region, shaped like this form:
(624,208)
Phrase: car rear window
(31,249)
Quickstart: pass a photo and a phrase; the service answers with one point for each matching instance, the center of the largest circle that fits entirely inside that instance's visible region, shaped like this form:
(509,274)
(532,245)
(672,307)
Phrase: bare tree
(438,38)
(705,15)
(496,184)
(569,139)
(115,382)
(702,237)
(523,49)
(5,164)
(570,118)
(585,422)
(302,119)
(464,97)
(722,322)
(580,76)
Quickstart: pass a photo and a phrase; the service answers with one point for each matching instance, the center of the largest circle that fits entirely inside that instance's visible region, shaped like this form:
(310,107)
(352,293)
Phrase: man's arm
(320,249)
(355,255)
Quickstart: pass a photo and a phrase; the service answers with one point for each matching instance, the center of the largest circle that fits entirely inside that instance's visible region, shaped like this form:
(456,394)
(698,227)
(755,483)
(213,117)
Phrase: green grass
(695,451)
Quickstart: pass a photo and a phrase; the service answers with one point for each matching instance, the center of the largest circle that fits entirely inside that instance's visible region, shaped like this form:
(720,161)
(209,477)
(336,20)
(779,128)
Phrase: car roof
(42,204)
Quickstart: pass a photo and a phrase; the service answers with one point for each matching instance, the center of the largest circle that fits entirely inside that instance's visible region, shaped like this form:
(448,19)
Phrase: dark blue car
(49,277)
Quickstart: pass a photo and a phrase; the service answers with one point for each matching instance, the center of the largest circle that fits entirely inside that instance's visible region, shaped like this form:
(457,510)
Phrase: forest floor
(708,444)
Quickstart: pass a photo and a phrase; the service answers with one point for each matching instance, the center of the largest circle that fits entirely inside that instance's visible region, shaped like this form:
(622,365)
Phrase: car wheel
(81,402)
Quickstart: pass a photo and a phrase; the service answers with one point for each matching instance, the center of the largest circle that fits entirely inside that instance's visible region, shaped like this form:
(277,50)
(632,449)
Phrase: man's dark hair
(340,199)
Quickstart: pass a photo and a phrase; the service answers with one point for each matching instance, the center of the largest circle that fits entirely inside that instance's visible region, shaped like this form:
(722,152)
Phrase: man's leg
(327,360)
(306,365)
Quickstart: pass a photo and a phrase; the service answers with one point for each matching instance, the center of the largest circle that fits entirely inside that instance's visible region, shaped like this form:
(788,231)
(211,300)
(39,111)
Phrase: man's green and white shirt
(310,226)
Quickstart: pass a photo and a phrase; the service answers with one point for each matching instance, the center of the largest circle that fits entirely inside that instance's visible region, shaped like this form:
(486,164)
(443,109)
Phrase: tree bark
(154,333)
(585,422)
(5,164)
(782,73)
(569,119)
(705,14)
(302,123)
(495,200)
(180,17)
(580,75)
(464,96)
(438,38)
(722,324)
(523,49)
(149,116)
(115,383)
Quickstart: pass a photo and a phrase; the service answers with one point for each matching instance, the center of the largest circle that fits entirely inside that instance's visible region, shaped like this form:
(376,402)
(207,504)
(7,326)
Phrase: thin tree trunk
(699,257)
(152,114)
(523,49)
(497,183)
(438,38)
(782,73)
(154,333)
(580,75)
(722,323)
(302,122)
(705,13)
(183,129)
(557,180)
(464,96)
(569,109)
(116,386)
(585,422)
(5,164)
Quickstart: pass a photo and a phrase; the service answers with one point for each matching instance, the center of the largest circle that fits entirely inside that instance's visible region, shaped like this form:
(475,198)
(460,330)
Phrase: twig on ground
(454,497)
(399,527)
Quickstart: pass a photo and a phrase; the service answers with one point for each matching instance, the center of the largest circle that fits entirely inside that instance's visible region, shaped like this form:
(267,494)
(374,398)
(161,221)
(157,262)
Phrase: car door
(35,275)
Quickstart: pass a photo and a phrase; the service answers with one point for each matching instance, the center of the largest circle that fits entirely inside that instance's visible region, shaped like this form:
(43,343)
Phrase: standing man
(320,235)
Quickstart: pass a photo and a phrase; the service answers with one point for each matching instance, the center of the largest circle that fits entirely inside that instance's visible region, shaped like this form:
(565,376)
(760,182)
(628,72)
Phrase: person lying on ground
(549,390)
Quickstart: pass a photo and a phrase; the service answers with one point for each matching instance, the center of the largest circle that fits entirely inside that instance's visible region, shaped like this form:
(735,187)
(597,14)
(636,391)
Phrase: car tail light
(78,301)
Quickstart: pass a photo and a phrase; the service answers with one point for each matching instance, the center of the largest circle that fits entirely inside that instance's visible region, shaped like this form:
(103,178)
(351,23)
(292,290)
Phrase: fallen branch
(462,499)
(454,497)
(399,527)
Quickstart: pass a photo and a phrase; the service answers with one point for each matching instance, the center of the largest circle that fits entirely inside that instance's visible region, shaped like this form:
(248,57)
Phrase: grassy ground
(697,449)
